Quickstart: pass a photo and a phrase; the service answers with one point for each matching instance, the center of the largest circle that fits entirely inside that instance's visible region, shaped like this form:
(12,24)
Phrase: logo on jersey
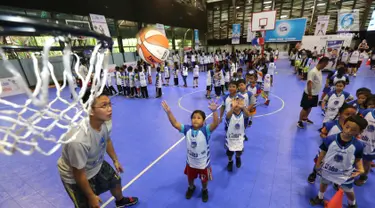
(370,128)
(338,158)
(102,142)
(336,102)
(237,126)
(193,144)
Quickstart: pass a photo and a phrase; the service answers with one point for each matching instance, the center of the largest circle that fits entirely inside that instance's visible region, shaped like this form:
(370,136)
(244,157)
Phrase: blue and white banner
(196,39)
(334,44)
(236,33)
(287,30)
(348,20)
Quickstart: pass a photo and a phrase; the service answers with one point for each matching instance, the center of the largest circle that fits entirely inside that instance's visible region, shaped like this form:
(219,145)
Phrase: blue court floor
(277,160)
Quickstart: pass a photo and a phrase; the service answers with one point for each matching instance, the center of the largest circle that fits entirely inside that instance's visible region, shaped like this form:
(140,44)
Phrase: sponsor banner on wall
(236,33)
(99,24)
(287,30)
(322,25)
(250,34)
(348,20)
(9,87)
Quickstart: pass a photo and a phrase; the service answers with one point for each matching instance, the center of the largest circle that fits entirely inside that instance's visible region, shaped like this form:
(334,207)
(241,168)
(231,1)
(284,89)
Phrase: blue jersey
(334,103)
(198,149)
(338,163)
(368,135)
(355,104)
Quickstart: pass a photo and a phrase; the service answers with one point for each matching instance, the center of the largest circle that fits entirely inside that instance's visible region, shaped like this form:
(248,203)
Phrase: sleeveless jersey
(227,103)
(338,163)
(247,98)
(235,133)
(354,57)
(166,72)
(198,149)
(209,75)
(334,103)
(368,135)
(196,71)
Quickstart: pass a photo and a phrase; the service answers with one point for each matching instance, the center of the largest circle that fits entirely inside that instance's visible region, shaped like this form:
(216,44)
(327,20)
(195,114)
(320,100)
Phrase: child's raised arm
(172,119)
(213,106)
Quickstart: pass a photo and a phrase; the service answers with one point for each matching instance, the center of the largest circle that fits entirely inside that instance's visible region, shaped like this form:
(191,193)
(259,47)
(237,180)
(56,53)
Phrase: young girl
(197,136)
(143,83)
(158,83)
(217,81)
(185,74)
(331,128)
(235,120)
(195,76)
(166,74)
(362,95)
(368,138)
(175,75)
(340,160)
(334,100)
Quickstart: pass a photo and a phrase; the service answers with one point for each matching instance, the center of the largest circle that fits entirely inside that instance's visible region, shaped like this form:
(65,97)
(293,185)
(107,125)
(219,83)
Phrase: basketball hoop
(24,125)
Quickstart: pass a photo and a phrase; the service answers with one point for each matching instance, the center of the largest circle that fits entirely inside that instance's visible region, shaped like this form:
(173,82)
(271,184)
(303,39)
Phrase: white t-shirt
(354,57)
(316,77)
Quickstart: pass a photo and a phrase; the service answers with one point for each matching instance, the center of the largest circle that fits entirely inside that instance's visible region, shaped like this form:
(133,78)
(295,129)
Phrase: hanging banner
(160,27)
(196,39)
(250,34)
(9,87)
(321,25)
(348,20)
(236,33)
(100,24)
(334,44)
(287,30)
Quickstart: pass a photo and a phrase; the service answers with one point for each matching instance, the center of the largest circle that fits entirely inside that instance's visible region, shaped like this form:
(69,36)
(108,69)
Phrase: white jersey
(185,71)
(267,83)
(236,132)
(118,78)
(271,69)
(193,58)
(109,79)
(333,127)
(158,83)
(175,58)
(209,78)
(334,103)
(249,98)
(338,163)
(227,76)
(198,149)
(222,78)
(166,72)
(344,57)
(368,135)
(354,57)
(196,71)
(206,59)
(227,103)
(142,79)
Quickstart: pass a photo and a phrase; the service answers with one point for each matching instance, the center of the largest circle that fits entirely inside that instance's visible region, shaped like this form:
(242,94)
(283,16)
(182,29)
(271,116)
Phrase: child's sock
(351,202)
(321,195)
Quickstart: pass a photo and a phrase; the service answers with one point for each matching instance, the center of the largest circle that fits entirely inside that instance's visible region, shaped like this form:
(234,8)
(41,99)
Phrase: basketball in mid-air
(152,46)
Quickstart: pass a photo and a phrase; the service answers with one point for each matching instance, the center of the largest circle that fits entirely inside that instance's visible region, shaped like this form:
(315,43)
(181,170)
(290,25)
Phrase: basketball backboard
(261,21)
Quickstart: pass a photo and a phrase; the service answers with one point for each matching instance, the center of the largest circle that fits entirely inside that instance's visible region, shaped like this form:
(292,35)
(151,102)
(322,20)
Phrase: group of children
(348,138)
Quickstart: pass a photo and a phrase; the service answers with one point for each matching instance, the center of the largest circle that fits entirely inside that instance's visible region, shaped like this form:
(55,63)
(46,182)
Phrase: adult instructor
(84,172)
(310,97)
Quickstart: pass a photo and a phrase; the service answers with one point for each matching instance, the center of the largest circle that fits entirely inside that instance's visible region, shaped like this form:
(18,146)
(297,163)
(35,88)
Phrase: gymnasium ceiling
(221,13)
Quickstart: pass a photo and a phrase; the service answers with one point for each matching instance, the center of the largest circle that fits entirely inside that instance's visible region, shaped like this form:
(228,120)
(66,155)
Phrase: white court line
(156,160)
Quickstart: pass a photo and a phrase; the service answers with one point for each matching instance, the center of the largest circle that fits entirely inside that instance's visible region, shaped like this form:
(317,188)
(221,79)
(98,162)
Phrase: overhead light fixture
(283,16)
(266,7)
(213,1)
(237,7)
(268,2)
(312,7)
(321,4)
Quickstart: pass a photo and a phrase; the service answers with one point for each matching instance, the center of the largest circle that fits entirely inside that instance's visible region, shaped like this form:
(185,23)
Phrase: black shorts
(306,103)
(230,153)
(209,88)
(350,65)
(105,180)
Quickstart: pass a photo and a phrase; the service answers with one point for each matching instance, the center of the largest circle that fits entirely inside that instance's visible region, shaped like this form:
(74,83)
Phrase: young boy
(119,81)
(166,74)
(158,83)
(235,120)
(83,171)
(249,100)
(339,154)
(198,150)
(195,76)
(227,100)
(209,78)
(334,100)
(368,138)
(143,83)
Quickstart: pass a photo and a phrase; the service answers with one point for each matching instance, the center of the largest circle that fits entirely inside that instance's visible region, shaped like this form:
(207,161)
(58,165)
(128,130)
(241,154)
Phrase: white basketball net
(26,127)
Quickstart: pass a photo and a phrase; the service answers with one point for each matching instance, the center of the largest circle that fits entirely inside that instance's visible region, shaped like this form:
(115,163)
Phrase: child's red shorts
(204,174)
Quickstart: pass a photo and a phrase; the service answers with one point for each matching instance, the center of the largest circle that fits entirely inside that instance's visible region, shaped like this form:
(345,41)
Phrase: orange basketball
(152,46)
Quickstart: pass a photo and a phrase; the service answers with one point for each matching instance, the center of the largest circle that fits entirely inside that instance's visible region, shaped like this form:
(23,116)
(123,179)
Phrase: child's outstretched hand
(213,105)
(165,106)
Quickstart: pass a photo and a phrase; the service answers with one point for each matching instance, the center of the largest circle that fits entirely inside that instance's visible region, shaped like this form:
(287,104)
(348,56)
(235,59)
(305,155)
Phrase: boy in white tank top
(235,135)
(340,160)
(197,136)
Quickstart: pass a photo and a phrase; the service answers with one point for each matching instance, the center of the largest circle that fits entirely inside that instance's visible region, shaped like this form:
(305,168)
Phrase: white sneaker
(355,74)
